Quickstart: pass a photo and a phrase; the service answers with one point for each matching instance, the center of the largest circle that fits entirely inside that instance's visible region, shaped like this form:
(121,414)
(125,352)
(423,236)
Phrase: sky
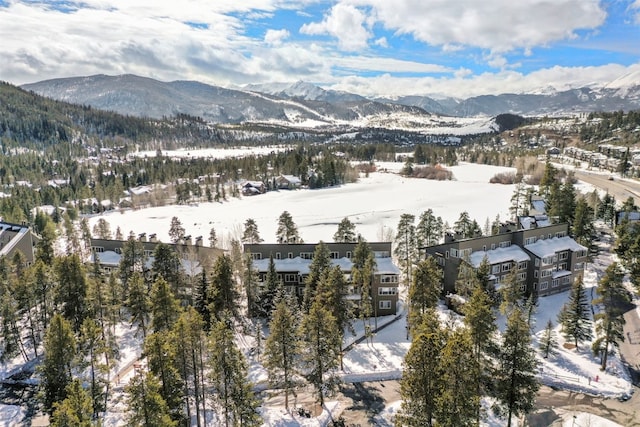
(455,48)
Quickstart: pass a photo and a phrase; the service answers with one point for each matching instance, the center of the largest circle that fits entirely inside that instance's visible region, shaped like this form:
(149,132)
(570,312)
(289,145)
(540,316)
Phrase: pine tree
(167,266)
(251,234)
(287,231)
(510,292)
(160,350)
(320,265)
(429,230)
(582,228)
(405,249)
(132,260)
(102,229)
(421,381)
(576,319)
(458,403)
(467,279)
(145,404)
(283,347)
(252,292)
(213,238)
(164,307)
(515,380)
(93,349)
(176,230)
(424,290)
(614,299)
(223,293)
(346,232)
(138,303)
(548,342)
(332,292)
(465,226)
(271,284)
(362,270)
(59,355)
(321,341)
(75,410)
(229,377)
(72,289)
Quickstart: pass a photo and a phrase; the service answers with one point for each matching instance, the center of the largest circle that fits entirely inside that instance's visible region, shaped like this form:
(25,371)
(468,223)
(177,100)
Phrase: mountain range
(303,104)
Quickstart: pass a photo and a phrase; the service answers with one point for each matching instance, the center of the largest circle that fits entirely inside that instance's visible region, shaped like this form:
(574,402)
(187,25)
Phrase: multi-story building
(192,255)
(546,258)
(292,261)
(17,238)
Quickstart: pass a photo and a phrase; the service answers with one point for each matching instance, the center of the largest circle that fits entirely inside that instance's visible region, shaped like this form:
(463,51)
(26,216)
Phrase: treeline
(619,126)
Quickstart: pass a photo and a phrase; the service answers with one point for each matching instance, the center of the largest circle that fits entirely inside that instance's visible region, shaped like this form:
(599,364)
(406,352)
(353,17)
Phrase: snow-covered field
(374,205)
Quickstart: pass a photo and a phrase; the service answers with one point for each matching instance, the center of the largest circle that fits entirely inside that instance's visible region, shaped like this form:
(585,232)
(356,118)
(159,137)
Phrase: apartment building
(17,238)
(292,262)
(546,258)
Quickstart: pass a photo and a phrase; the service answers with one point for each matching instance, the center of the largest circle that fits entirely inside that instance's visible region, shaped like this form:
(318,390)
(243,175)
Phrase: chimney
(153,238)
(187,240)
(142,237)
(199,241)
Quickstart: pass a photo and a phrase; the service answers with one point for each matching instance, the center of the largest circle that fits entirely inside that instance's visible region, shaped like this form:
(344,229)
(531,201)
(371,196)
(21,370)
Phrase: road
(621,189)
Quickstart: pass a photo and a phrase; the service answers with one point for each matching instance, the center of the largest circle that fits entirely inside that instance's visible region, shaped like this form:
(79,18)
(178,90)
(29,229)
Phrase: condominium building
(546,258)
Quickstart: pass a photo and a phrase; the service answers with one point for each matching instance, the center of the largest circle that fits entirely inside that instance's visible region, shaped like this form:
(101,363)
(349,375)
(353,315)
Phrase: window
(148,253)
(256,256)
(562,266)
(535,286)
(348,254)
(522,276)
(290,289)
(506,266)
(530,240)
(484,248)
(523,286)
(522,265)
(389,278)
(98,249)
(495,269)
(300,290)
(564,255)
(306,255)
(579,266)
(581,254)
(465,252)
(446,254)
(107,269)
(279,276)
(440,261)
(291,278)
(544,285)
(566,280)
(560,234)
(493,246)
(505,244)
(118,251)
(384,305)
(535,274)
(537,264)
(546,273)
(278,256)
(555,283)
(290,255)
(334,255)
(453,252)
(387,291)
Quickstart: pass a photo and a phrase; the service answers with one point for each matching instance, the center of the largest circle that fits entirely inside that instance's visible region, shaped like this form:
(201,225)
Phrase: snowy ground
(374,205)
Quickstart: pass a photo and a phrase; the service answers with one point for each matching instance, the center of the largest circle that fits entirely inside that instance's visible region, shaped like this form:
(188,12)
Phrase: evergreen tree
(132,260)
(467,279)
(424,290)
(362,270)
(72,289)
(458,403)
(465,227)
(92,348)
(346,232)
(160,350)
(164,306)
(332,292)
(548,179)
(582,228)
(59,355)
(320,265)
(213,238)
(421,381)
(138,303)
(176,230)
(576,318)
(283,347)
(145,404)
(321,342)
(75,410)
(251,234)
(45,246)
(515,380)
(271,284)
(511,293)
(229,377)
(252,292)
(102,229)
(405,244)
(167,266)
(222,288)
(548,342)
(614,300)
(430,229)
(287,231)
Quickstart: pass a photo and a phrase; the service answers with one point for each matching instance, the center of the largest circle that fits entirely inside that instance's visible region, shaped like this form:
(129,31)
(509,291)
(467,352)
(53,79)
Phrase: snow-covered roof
(301,266)
(499,255)
(539,206)
(253,184)
(292,179)
(529,222)
(548,247)
(560,273)
(112,259)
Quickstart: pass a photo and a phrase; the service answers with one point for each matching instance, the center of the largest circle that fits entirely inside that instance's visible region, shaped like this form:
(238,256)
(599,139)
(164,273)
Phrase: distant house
(288,182)
(252,188)
(553,151)
(292,262)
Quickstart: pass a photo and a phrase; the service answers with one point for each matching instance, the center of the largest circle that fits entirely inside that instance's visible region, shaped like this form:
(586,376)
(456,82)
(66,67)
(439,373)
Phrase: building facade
(292,261)
(546,258)
(17,238)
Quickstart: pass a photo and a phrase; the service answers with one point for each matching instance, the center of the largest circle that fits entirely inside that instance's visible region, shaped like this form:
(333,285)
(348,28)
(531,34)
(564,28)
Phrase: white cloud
(276,37)
(382,42)
(635,7)
(346,23)
(372,63)
(498,25)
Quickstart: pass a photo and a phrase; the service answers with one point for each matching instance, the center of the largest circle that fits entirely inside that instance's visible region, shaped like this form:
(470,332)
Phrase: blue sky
(372,47)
